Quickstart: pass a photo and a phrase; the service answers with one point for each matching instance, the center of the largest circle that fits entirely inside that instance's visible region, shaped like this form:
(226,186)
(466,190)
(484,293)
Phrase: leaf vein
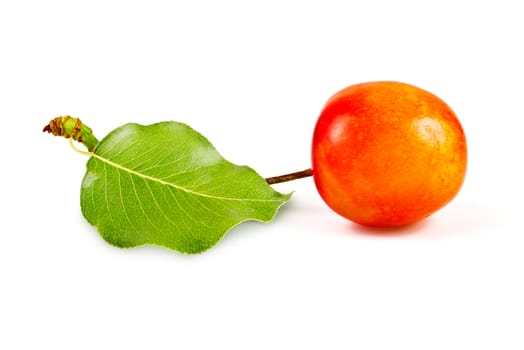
(140,204)
(160,181)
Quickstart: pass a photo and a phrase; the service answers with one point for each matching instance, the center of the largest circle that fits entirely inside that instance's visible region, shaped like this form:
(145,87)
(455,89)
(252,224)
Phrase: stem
(289,177)
(72,128)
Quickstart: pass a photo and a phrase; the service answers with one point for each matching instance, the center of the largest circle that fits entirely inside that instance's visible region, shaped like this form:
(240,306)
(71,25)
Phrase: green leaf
(165,184)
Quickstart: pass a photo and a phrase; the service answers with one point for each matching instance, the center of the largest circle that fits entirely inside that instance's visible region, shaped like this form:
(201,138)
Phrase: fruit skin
(387,153)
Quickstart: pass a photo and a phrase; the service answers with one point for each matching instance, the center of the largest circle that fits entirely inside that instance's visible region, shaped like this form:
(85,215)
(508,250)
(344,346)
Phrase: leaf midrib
(165,183)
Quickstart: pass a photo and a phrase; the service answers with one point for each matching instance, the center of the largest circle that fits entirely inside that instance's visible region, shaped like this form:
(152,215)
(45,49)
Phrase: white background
(252,77)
